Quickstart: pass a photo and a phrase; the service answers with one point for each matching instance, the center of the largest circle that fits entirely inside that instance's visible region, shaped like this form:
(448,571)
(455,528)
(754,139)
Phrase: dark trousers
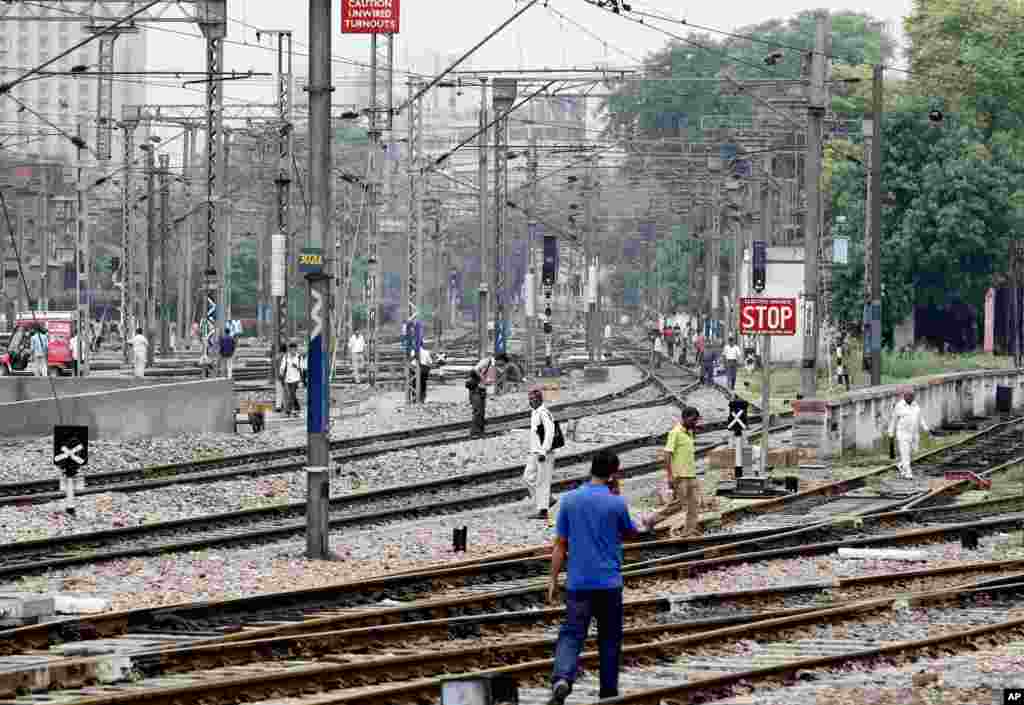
(580,607)
(424,373)
(730,373)
(478,400)
(292,404)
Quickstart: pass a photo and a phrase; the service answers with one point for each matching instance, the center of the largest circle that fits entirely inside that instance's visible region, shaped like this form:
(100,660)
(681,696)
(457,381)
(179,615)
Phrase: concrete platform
(155,409)
(28,388)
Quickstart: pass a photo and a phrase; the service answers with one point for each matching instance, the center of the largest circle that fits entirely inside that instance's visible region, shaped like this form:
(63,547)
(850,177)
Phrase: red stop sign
(768,316)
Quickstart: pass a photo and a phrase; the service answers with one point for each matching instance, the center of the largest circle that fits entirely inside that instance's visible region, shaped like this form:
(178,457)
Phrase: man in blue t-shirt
(592,522)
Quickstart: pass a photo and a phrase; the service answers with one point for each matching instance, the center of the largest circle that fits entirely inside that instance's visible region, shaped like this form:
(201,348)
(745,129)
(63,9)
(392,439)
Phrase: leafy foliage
(945,236)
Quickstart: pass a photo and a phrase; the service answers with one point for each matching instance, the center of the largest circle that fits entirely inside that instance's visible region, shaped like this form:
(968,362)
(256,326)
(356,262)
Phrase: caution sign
(70,448)
(369,16)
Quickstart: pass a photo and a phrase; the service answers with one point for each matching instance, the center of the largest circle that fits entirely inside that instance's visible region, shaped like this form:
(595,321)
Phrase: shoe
(559,693)
(542,514)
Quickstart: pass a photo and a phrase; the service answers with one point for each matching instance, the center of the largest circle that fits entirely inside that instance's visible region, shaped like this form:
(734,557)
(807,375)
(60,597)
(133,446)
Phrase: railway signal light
(760,265)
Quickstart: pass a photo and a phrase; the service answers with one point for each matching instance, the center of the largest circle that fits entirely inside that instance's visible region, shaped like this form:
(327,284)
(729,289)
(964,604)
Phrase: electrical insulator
(547,327)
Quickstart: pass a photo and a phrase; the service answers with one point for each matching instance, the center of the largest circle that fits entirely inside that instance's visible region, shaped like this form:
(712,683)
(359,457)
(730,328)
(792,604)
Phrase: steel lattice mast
(381,93)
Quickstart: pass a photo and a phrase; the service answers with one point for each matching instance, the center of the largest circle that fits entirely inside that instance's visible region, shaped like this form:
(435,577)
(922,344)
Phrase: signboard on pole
(369,16)
(767,316)
(70,448)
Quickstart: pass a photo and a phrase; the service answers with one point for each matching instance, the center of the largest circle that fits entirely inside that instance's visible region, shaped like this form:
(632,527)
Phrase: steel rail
(24,557)
(19,492)
(263,645)
(354,675)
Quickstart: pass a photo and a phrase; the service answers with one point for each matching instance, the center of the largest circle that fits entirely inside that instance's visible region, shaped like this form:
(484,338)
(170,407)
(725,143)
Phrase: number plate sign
(767,316)
(311,260)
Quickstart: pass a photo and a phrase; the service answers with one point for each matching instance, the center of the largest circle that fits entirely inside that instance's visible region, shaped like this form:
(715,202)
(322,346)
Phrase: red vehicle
(58,325)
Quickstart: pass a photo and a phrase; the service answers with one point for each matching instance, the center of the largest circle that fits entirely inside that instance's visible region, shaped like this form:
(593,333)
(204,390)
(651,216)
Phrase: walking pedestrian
(907,421)
(659,350)
(541,464)
(356,347)
(698,347)
(681,470)
(426,361)
(76,351)
(279,379)
(227,352)
(669,341)
(731,354)
(40,352)
(478,391)
(140,349)
(592,523)
(290,374)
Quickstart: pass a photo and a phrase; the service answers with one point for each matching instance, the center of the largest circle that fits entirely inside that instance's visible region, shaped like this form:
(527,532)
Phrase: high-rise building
(30,36)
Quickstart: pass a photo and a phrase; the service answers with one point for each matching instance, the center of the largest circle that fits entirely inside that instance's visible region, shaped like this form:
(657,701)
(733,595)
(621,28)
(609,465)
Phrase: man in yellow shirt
(681,470)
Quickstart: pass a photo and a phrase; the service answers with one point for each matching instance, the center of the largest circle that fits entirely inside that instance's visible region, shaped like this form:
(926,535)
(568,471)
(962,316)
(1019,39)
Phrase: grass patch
(1008,483)
(1013,547)
(897,368)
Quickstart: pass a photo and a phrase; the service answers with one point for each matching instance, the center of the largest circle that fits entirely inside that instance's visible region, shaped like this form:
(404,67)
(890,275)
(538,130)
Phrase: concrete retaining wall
(858,420)
(28,388)
(152,410)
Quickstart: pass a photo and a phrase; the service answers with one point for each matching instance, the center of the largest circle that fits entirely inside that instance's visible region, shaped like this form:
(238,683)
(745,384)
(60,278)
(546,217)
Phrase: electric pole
(214,29)
(282,202)
(318,301)
(812,170)
(414,245)
(127,236)
(873,251)
(150,248)
(588,257)
(483,314)
(531,277)
(83,265)
(377,106)
(165,226)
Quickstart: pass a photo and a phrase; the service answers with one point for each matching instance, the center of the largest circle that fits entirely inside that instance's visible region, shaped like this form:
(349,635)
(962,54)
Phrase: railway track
(377,665)
(293,458)
(644,617)
(509,583)
(370,509)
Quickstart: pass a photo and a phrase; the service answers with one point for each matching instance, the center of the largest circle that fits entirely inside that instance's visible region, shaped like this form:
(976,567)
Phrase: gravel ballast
(115,510)
(31,458)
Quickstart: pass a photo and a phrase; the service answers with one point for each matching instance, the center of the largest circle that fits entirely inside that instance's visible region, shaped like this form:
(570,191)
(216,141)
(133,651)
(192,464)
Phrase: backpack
(227,346)
(559,440)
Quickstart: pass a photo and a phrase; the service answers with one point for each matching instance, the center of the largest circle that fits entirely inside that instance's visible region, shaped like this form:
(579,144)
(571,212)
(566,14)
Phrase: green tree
(945,235)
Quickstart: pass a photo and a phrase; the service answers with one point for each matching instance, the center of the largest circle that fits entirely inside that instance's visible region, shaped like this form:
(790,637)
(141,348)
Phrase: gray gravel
(31,458)
(114,510)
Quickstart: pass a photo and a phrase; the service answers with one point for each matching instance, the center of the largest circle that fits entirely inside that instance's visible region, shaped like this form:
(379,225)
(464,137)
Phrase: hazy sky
(539,38)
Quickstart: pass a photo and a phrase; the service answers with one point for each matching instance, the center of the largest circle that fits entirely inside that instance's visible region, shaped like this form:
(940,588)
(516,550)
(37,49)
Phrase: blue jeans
(580,607)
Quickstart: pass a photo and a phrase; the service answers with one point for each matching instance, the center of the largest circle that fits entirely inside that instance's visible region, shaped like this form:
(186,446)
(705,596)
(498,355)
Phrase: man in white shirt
(291,375)
(906,423)
(140,349)
(731,353)
(541,463)
(356,347)
(426,361)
